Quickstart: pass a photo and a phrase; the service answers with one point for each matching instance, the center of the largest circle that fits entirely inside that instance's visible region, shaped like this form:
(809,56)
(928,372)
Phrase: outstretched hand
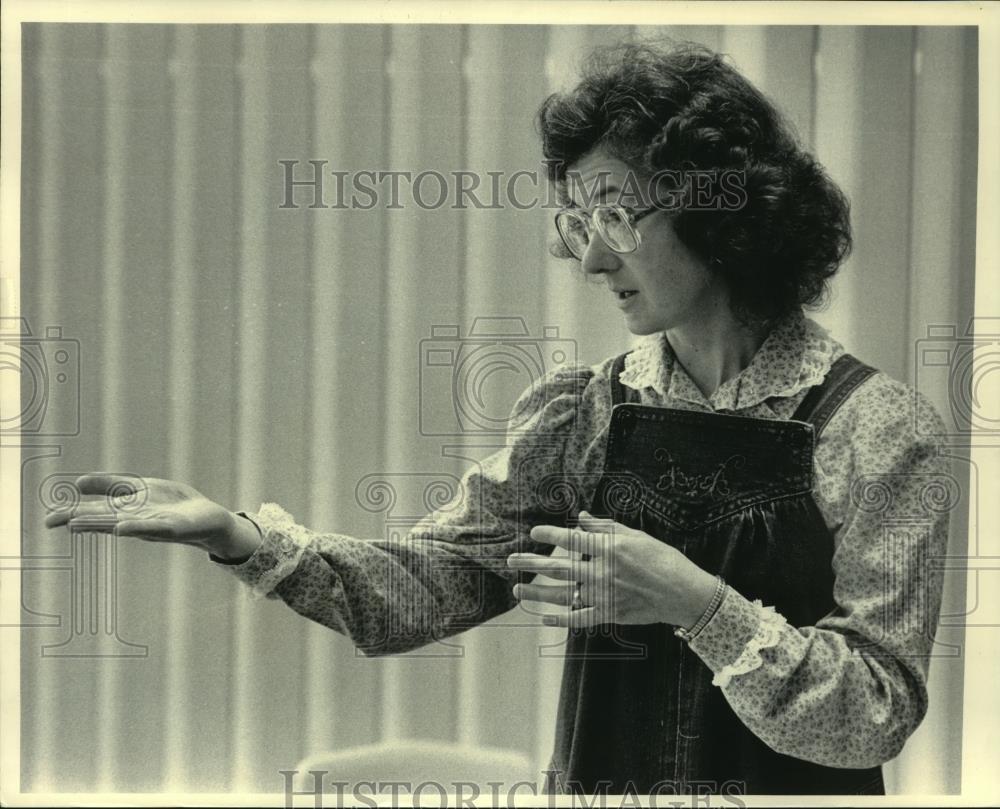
(152,509)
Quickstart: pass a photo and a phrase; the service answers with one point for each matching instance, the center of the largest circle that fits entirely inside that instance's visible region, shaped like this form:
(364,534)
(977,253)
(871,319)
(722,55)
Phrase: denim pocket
(692,469)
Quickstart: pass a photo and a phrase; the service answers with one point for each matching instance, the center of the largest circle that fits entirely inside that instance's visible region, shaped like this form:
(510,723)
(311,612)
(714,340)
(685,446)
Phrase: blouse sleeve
(449,572)
(850,690)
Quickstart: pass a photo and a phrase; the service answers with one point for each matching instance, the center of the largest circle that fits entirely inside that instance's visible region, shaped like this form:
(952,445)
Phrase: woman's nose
(598,257)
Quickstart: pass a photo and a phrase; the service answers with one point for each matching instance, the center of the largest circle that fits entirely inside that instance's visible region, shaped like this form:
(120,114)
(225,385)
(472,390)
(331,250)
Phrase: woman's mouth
(625,296)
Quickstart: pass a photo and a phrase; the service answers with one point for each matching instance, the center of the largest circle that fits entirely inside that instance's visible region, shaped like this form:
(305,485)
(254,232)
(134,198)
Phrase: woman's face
(671,288)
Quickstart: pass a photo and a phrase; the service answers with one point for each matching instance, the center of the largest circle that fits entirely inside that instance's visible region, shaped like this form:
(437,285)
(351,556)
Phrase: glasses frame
(630,217)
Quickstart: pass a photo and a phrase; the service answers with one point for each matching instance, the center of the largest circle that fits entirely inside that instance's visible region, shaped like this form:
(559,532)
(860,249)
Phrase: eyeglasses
(615,224)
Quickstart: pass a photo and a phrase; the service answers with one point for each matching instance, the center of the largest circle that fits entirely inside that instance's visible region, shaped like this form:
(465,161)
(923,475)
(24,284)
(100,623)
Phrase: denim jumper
(637,709)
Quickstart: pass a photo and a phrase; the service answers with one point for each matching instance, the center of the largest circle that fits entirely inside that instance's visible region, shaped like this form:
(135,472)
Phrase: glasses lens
(573,231)
(616,230)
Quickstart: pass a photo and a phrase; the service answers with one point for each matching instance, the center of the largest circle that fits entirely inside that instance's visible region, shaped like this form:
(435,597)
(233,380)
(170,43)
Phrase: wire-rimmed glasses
(614,223)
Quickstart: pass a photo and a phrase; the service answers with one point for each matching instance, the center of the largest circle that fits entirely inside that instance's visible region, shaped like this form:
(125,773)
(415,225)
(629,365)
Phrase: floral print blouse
(846,692)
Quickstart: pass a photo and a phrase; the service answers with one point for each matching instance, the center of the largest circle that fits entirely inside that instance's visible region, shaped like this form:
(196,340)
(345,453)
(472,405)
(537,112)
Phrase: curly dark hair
(679,106)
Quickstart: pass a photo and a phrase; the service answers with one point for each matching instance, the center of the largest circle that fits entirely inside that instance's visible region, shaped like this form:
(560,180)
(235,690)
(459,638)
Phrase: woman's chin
(641,326)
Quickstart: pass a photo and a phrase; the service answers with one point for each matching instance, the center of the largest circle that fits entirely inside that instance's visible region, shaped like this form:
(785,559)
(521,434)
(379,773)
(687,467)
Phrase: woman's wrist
(702,593)
(241,541)
(690,632)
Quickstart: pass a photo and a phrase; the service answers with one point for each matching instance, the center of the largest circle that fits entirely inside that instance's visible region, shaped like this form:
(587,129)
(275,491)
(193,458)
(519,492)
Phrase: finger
(107,508)
(57,518)
(558,594)
(574,619)
(554,568)
(93,523)
(585,540)
(109,483)
(63,516)
(602,524)
(156,529)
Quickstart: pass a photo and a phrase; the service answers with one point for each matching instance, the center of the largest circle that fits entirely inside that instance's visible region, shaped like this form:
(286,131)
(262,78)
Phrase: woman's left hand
(631,578)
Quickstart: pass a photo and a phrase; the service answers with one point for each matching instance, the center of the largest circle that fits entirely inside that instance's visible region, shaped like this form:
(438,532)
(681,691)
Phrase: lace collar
(796,354)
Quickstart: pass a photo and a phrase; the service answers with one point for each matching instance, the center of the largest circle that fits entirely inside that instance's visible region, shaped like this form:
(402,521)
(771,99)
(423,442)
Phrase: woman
(737,620)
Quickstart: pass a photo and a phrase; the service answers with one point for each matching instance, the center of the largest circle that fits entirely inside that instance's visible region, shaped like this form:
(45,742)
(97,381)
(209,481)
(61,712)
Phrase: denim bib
(637,710)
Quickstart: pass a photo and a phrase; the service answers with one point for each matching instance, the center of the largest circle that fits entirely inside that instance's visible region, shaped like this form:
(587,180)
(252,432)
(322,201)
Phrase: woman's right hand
(159,510)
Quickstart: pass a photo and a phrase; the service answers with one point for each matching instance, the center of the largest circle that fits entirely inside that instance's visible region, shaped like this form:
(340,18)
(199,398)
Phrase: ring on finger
(576,602)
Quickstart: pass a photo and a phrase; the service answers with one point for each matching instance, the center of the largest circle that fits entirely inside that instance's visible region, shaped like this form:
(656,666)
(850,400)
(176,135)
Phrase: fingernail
(517,591)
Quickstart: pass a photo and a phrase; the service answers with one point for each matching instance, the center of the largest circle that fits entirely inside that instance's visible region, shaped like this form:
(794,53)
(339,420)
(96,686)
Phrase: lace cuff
(278,554)
(731,641)
(767,636)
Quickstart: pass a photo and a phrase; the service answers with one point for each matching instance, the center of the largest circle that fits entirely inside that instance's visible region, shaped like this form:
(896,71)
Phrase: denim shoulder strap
(619,392)
(823,400)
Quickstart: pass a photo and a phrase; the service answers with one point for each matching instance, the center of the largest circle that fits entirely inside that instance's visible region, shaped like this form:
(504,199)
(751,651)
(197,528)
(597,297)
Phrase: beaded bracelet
(713,606)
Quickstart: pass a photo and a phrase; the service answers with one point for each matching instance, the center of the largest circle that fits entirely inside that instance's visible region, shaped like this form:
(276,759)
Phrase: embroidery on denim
(694,485)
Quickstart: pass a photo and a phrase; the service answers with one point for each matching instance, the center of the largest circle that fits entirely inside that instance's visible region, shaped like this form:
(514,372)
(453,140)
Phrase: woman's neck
(715,349)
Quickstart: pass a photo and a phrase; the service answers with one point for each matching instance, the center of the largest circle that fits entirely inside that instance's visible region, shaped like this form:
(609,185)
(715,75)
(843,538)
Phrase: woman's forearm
(388,597)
